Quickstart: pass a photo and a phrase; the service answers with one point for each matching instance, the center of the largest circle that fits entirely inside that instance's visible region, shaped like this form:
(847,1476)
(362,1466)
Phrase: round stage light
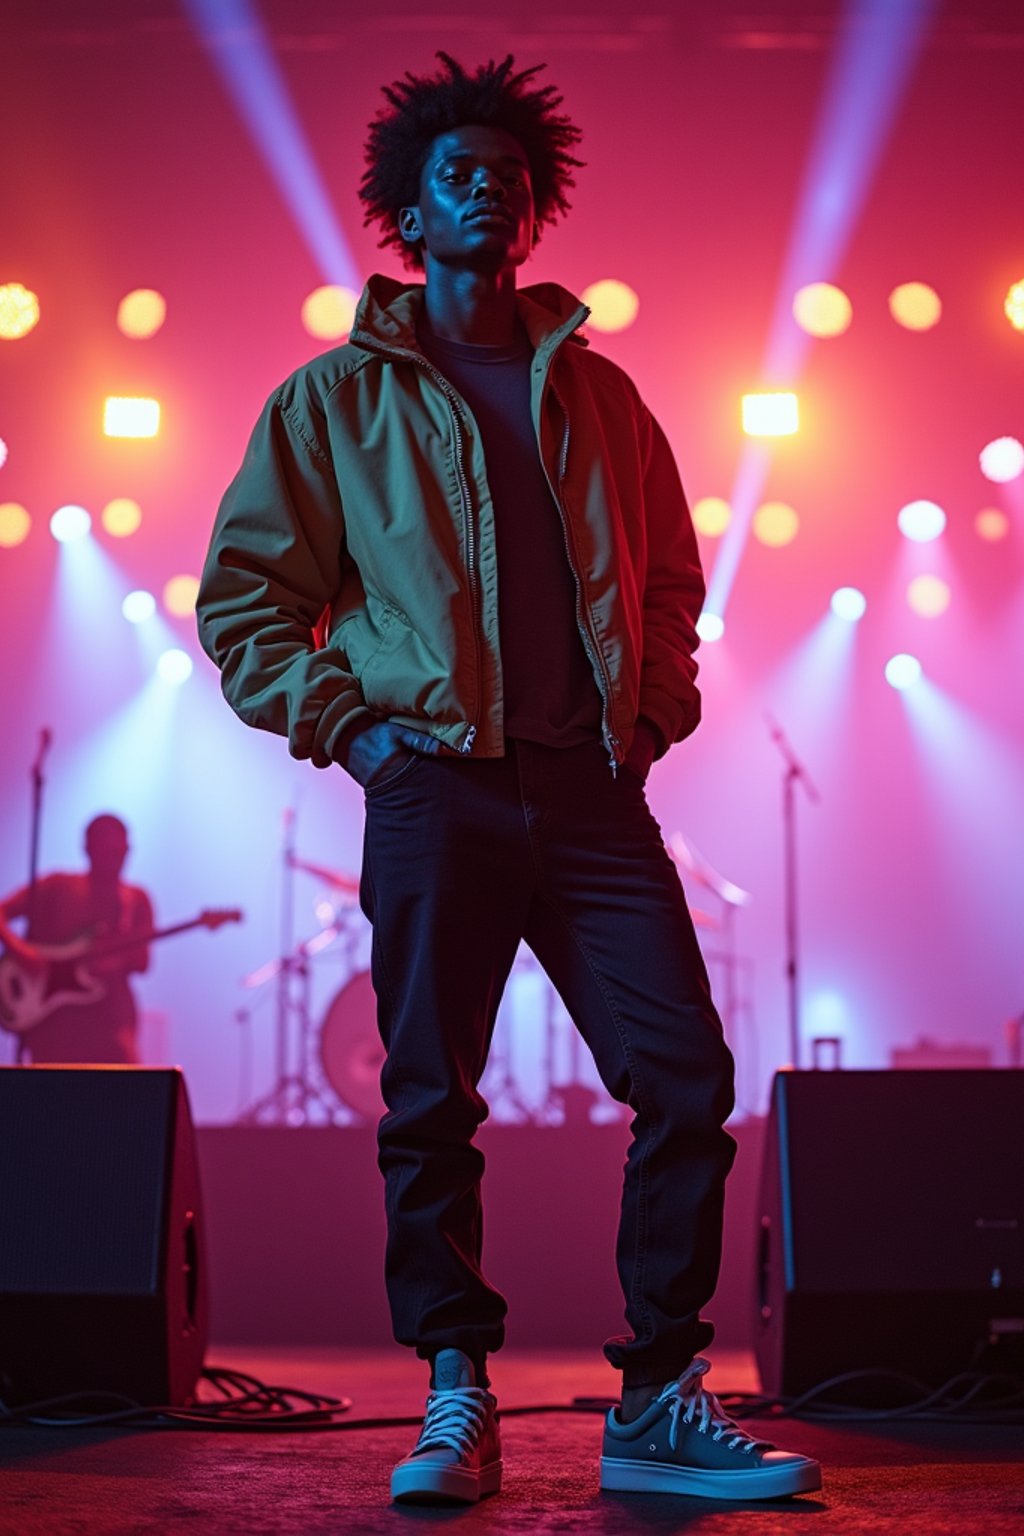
(3,453)
(712,516)
(929,596)
(775,524)
(180,595)
(848,603)
(141,313)
(139,606)
(613,305)
(121,517)
(915,306)
(1002,459)
(19,311)
(1013,305)
(70,523)
(174,666)
(991,523)
(328,312)
(710,627)
(15,523)
(921,521)
(821,309)
(902,671)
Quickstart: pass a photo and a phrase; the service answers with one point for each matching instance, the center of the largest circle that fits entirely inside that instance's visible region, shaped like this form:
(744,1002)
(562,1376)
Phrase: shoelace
(454,1418)
(688,1393)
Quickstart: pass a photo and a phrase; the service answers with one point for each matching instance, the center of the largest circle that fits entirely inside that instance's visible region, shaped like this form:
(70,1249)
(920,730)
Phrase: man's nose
(487,184)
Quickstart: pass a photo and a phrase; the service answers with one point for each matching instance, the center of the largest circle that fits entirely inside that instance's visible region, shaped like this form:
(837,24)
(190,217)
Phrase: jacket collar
(386,316)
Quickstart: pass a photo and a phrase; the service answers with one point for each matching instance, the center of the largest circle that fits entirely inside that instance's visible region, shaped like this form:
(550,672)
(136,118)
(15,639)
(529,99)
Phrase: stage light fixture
(121,517)
(711,516)
(180,595)
(15,523)
(19,311)
(141,313)
(3,453)
(1013,305)
(921,521)
(1002,459)
(328,312)
(771,415)
(775,524)
(70,523)
(992,524)
(848,603)
(139,606)
(822,310)
(174,666)
(613,305)
(710,627)
(131,416)
(929,596)
(902,671)
(915,306)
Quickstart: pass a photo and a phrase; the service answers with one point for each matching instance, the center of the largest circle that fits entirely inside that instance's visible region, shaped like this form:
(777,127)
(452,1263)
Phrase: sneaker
(457,1457)
(685,1442)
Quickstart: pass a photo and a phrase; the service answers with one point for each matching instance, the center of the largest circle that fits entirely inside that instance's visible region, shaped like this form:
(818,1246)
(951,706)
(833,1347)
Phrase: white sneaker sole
(619,1475)
(431,1484)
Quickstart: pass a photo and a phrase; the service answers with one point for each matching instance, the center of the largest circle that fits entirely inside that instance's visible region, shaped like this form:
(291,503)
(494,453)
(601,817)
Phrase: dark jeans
(462,859)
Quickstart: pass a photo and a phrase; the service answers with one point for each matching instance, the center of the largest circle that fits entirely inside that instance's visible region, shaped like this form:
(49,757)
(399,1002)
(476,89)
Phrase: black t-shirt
(550,692)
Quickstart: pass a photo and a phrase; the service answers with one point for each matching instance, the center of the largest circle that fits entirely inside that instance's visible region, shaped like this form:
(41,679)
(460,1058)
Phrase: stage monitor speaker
(891,1229)
(102,1282)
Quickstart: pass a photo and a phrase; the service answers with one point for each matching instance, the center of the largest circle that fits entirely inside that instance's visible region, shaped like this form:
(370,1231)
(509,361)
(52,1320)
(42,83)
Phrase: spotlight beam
(878,46)
(235,41)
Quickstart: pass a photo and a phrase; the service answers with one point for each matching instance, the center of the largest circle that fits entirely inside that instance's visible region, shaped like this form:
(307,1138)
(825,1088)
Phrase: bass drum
(351,1052)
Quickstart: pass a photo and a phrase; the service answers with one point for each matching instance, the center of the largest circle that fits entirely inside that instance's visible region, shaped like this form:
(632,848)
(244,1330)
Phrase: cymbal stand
(293,1095)
(795,773)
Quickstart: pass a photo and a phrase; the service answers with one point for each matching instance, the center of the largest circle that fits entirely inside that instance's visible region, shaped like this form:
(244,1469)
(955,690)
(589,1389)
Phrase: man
(490,525)
(97,905)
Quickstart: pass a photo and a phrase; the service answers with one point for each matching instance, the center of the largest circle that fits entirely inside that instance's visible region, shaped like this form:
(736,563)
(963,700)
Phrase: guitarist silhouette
(97,905)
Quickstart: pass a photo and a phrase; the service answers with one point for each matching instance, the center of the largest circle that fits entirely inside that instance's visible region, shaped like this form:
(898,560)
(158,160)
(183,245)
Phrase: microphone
(45,742)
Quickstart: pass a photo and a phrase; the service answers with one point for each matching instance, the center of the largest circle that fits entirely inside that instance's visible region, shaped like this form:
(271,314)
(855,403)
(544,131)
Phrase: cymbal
(332,877)
(687,858)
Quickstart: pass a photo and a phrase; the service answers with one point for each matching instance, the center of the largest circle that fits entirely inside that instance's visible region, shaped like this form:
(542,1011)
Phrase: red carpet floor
(907,1479)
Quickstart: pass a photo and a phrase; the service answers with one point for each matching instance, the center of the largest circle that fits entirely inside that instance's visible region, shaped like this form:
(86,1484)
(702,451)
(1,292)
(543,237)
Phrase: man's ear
(409,226)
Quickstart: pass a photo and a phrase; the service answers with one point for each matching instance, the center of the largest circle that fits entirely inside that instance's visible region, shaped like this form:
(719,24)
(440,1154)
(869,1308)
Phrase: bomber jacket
(352,569)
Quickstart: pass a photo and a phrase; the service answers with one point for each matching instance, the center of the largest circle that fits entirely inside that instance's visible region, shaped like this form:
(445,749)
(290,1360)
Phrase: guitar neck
(121,942)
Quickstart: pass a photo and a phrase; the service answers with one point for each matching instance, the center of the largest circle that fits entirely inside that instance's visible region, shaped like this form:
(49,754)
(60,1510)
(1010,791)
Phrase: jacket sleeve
(274,564)
(673,594)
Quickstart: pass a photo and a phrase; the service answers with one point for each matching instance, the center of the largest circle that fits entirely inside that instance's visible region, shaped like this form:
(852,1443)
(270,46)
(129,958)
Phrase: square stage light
(775,415)
(130,416)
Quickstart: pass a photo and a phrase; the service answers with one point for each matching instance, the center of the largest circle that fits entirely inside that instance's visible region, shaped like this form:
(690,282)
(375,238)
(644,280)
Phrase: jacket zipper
(467,522)
(590,644)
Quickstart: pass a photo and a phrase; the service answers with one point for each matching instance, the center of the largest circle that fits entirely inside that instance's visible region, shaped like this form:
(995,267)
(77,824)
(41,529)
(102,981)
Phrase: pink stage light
(849,603)
(710,627)
(1002,459)
(902,671)
(921,521)
(70,523)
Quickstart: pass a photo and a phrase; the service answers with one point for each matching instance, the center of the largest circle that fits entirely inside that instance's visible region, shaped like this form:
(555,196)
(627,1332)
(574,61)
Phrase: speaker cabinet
(102,1282)
(891,1228)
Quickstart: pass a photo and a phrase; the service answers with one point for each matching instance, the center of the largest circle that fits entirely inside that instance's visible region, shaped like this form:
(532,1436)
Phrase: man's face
(476,202)
(106,848)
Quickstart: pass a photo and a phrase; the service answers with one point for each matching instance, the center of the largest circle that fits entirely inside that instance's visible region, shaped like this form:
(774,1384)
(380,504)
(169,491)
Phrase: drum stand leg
(292,1097)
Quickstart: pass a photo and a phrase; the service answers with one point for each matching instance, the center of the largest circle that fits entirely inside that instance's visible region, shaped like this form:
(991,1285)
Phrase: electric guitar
(30,993)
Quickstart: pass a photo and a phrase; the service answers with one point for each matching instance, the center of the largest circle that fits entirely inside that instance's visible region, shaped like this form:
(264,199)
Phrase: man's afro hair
(421,107)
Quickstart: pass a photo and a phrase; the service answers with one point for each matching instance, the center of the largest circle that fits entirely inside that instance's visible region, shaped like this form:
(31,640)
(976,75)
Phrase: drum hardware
(294,1099)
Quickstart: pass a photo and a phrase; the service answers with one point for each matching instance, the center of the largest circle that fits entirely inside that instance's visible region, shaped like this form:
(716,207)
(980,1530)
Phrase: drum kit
(539,1071)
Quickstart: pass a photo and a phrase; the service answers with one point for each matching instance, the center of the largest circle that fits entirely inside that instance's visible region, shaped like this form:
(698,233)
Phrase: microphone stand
(38,786)
(795,773)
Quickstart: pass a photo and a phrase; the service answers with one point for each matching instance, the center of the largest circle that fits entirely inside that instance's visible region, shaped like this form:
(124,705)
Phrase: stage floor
(916,1480)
